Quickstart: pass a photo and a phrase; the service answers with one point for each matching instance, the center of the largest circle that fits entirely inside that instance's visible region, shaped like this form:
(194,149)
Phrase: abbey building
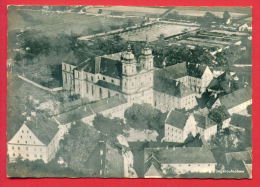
(137,80)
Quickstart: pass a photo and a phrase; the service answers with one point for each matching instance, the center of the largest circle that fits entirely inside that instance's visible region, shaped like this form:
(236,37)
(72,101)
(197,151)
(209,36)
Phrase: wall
(182,168)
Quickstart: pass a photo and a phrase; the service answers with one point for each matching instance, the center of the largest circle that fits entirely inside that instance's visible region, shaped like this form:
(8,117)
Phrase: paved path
(40,86)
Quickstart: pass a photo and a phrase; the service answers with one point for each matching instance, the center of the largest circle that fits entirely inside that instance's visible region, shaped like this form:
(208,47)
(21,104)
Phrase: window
(100,92)
(108,93)
(30,137)
(92,89)
(21,136)
(27,148)
(13,154)
(35,156)
(27,155)
(112,80)
(27,132)
(18,141)
(92,78)
(22,131)
(25,142)
(104,78)
(18,148)
(40,156)
(87,88)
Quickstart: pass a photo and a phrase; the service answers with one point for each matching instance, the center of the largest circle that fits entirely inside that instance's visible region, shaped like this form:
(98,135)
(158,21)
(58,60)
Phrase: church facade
(115,74)
(137,80)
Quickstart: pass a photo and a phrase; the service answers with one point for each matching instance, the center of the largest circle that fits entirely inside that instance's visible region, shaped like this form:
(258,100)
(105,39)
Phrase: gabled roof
(236,98)
(242,155)
(90,109)
(241,121)
(74,114)
(175,71)
(181,155)
(152,166)
(222,83)
(196,70)
(203,121)
(170,87)
(43,128)
(177,118)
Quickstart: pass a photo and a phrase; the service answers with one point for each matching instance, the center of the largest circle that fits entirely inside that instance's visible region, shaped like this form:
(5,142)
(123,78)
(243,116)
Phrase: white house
(37,138)
(237,101)
(178,125)
(205,126)
(178,159)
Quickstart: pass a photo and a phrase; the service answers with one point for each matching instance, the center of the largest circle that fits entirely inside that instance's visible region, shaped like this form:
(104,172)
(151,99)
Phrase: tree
(77,146)
(170,172)
(208,19)
(226,16)
(144,117)
(201,56)
(37,168)
(109,127)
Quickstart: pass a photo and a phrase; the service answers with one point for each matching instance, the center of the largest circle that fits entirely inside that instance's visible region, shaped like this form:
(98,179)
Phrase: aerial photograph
(129,92)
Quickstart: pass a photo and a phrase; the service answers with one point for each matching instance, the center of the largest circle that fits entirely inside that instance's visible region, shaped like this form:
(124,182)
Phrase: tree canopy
(108,127)
(77,146)
(144,117)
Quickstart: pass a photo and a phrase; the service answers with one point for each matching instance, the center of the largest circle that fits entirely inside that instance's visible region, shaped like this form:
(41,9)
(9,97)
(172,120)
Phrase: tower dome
(128,55)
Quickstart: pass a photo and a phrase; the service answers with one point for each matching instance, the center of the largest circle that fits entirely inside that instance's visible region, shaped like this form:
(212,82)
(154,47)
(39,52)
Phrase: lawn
(52,23)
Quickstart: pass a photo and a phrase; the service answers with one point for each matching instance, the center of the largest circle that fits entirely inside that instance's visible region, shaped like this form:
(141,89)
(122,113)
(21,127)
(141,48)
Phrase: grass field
(52,23)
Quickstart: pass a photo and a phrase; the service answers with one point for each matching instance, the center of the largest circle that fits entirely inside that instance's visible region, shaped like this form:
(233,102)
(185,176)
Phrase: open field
(55,22)
(154,31)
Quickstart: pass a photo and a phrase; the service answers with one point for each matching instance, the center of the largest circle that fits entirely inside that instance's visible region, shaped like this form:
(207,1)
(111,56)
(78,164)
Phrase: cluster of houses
(114,82)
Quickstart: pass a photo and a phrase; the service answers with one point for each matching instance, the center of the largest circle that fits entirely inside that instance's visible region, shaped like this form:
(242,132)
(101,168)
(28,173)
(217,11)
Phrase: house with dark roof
(178,125)
(170,94)
(152,167)
(223,83)
(205,126)
(221,116)
(244,157)
(236,101)
(37,138)
(180,160)
(111,107)
(196,77)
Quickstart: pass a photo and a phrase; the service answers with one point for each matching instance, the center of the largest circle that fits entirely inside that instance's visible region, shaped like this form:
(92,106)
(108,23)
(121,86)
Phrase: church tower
(129,71)
(146,58)
(137,77)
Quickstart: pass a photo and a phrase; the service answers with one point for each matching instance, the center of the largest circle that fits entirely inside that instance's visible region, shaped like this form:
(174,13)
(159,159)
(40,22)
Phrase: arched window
(108,93)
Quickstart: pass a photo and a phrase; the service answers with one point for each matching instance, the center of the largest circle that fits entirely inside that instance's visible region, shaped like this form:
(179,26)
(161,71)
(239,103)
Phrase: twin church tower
(115,74)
